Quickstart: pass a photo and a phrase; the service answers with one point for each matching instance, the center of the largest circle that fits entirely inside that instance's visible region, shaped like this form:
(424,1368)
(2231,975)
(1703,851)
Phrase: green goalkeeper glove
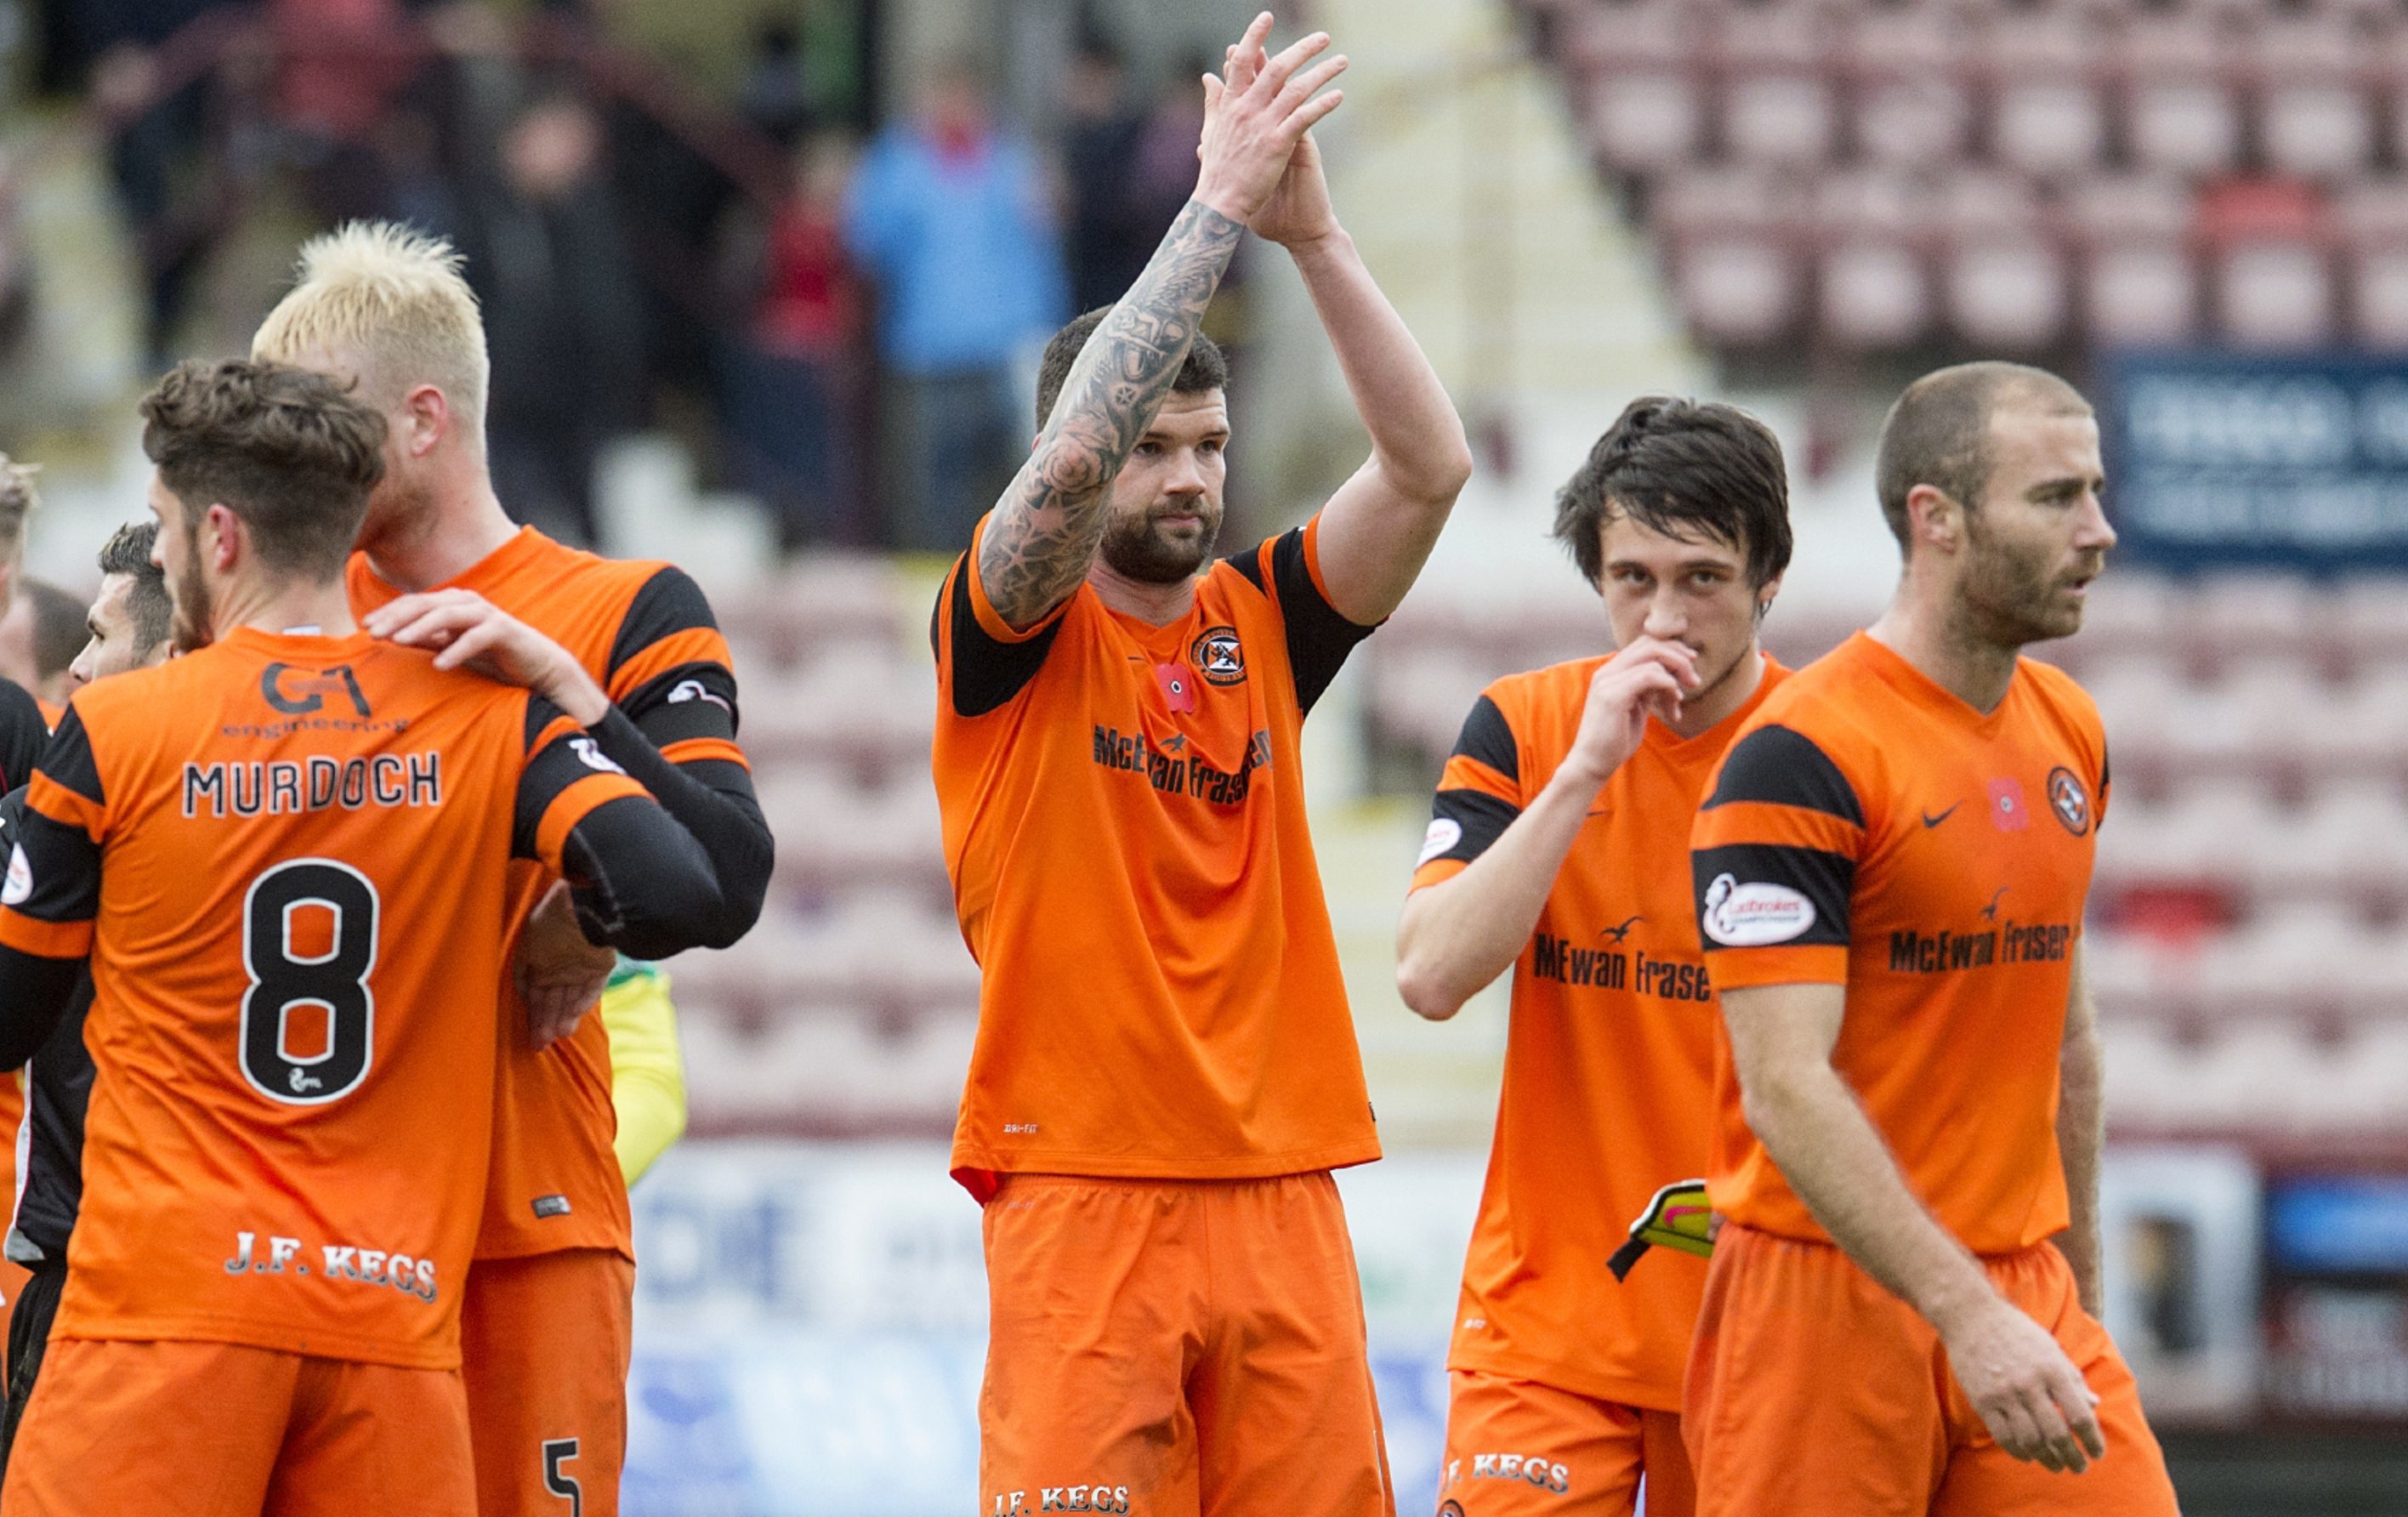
(1679,1216)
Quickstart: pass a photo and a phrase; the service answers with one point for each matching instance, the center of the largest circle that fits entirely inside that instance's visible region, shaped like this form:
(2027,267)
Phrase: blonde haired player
(546,1324)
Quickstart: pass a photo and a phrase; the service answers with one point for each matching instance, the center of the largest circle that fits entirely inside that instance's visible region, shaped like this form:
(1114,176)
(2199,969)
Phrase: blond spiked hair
(18,498)
(393,301)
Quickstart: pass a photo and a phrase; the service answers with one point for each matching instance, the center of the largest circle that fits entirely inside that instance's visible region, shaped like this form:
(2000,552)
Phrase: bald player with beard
(1890,869)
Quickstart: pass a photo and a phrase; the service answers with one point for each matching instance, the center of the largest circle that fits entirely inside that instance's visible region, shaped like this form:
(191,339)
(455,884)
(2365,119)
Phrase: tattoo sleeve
(1042,537)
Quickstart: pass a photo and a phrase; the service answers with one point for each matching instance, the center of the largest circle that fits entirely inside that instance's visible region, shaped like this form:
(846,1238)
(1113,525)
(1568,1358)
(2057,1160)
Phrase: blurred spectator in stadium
(564,316)
(157,130)
(16,269)
(1103,129)
(1164,172)
(776,94)
(948,214)
(40,634)
(340,63)
(790,374)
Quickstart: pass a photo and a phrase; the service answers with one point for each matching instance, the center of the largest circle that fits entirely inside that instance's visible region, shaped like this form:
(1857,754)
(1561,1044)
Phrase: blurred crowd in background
(831,295)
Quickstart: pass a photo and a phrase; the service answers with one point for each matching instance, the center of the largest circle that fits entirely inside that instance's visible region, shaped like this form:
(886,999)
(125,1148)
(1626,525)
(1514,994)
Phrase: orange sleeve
(1773,857)
(573,805)
(66,807)
(45,939)
(694,645)
(990,621)
(693,750)
(1479,792)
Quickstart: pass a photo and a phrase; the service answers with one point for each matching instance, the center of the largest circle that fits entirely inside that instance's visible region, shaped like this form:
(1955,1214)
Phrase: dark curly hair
(285,448)
(1686,469)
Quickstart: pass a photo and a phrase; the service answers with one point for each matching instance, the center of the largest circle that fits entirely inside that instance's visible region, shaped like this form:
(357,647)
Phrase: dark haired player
(1558,847)
(1165,1071)
(127,627)
(285,854)
(1891,869)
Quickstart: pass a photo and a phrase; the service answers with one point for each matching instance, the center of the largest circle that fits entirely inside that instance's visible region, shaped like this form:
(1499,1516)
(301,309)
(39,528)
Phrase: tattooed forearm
(1042,537)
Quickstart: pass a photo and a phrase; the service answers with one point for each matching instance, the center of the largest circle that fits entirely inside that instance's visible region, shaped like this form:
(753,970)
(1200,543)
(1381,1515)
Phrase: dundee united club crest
(2069,800)
(1218,657)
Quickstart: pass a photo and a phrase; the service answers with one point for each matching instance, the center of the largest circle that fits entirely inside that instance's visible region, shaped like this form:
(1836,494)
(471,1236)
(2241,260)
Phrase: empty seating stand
(2122,126)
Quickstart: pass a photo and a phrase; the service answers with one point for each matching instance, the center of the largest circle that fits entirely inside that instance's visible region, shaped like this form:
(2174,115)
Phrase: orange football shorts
(544,1346)
(219,1430)
(1515,1447)
(1176,1349)
(1811,1388)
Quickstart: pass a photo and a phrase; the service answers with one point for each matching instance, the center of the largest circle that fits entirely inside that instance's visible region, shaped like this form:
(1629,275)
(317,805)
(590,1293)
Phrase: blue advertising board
(2223,460)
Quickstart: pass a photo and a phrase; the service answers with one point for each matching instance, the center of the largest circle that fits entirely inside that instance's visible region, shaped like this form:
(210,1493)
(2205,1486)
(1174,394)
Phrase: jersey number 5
(329,971)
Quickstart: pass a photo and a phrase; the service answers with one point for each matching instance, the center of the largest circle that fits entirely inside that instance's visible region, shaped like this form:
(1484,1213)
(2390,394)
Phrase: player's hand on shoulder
(560,975)
(1647,676)
(2029,1394)
(1255,115)
(467,630)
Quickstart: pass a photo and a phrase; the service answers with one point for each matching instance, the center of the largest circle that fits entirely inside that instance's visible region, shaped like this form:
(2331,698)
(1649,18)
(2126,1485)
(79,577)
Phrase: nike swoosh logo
(1931,821)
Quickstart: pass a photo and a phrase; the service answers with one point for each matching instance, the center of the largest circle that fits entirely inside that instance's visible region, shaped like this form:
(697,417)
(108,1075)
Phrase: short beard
(192,609)
(1138,552)
(2005,597)
(401,515)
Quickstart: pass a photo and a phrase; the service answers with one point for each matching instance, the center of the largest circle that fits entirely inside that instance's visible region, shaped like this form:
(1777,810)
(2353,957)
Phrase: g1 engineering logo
(1218,658)
(1753,914)
(2069,800)
(302,692)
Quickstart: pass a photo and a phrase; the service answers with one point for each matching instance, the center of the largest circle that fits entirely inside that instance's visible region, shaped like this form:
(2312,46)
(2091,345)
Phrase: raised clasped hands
(1257,114)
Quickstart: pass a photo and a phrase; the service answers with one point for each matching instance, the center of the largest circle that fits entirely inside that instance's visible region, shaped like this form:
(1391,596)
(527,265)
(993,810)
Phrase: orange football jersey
(1125,825)
(1872,830)
(286,856)
(1609,1056)
(645,634)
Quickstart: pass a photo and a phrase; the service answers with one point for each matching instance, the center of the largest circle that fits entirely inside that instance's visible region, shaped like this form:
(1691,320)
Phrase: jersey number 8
(283,978)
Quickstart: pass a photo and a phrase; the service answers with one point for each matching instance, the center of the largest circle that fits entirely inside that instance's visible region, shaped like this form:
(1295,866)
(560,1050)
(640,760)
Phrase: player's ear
(1765,595)
(1934,519)
(224,540)
(429,411)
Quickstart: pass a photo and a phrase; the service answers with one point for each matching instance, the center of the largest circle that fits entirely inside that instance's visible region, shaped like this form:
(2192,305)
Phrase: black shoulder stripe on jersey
(987,672)
(540,713)
(1249,563)
(1783,766)
(63,868)
(1482,817)
(1489,737)
(68,759)
(23,735)
(692,700)
(554,768)
(1318,637)
(670,602)
(1827,880)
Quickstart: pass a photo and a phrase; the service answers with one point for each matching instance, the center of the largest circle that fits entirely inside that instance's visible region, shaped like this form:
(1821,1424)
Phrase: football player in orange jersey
(1890,872)
(1559,848)
(1165,1071)
(293,1002)
(128,622)
(549,1316)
